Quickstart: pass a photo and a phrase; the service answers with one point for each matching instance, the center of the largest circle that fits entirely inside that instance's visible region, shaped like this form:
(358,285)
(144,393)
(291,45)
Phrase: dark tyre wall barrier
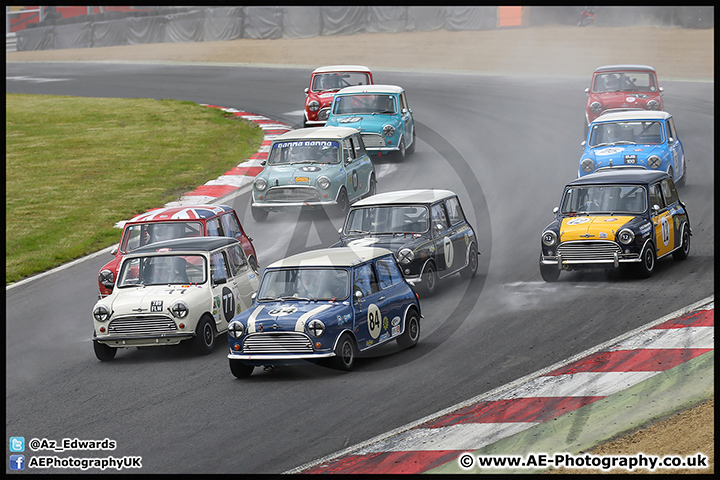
(229,23)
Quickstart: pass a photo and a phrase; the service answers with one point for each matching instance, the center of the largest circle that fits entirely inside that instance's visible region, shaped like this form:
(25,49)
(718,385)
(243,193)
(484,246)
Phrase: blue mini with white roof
(325,306)
(647,139)
(381,113)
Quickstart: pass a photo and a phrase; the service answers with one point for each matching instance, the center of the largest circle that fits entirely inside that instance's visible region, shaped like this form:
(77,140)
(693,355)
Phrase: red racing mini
(175,222)
(324,82)
(621,87)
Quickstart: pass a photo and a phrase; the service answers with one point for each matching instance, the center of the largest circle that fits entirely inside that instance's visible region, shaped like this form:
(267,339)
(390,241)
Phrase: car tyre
(239,369)
(411,335)
(647,262)
(681,182)
(372,186)
(471,268)
(345,353)
(259,214)
(549,273)
(103,352)
(684,250)
(428,280)
(342,204)
(204,340)
(253,264)
(401,152)
(411,149)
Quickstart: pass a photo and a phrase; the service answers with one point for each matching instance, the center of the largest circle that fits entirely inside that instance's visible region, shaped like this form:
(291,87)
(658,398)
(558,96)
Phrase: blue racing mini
(381,113)
(635,138)
(325,306)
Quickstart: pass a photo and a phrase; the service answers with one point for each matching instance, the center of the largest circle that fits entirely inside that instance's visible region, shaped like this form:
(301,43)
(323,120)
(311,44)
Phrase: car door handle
(382,298)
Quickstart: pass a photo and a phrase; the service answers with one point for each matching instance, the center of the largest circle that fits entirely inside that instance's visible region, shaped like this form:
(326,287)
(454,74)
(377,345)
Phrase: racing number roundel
(665,228)
(449,252)
(228,304)
(374,320)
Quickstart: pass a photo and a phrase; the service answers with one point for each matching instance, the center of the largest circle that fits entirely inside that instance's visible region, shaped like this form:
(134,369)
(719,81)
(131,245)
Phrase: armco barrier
(230,23)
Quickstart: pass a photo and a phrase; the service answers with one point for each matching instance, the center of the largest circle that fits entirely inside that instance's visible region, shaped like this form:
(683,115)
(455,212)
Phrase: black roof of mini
(201,244)
(621,175)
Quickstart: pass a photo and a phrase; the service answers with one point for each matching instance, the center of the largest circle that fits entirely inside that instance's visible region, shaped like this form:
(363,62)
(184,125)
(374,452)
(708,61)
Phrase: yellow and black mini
(613,218)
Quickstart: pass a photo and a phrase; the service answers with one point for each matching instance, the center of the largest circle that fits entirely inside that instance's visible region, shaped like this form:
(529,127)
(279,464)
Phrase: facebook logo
(17,444)
(17,462)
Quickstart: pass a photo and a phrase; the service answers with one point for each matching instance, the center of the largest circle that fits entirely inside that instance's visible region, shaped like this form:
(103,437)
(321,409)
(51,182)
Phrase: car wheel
(342,202)
(344,358)
(549,273)
(411,335)
(647,262)
(428,280)
(253,264)
(471,268)
(681,182)
(239,369)
(684,250)
(411,148)
(204,339)
(259,214)
(103,352)
(372,189)
(401,152)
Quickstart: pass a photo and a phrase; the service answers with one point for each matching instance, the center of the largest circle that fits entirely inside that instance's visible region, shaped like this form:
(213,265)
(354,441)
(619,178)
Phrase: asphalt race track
(506,145)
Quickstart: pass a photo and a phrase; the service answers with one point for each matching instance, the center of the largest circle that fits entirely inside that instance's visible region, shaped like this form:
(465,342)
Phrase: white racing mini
(171,291)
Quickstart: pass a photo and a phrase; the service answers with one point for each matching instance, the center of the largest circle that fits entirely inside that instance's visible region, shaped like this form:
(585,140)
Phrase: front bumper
(141,340)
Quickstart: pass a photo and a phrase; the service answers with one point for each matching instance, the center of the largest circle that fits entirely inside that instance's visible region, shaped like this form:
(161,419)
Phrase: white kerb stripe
(687,337)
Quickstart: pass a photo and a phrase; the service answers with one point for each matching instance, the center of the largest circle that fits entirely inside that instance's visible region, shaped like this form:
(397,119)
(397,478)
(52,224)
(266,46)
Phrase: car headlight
(323,182)
(388,130)
(236,329)
(587,165)
(179,309)
(101,313)
(260,184)
(405,256)
(107,278)
(549,238)
(314,106)
(596,107)
(653,105)
(316,327)
(654,162)
(626,236)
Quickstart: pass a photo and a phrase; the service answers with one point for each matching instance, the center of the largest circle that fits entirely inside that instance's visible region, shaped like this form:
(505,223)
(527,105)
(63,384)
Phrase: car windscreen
(305,151)
(387,219)
(629,132)
(337,80)
(365,104)
(609,199)
(139,235)
(304,283)
(624,82)
(162,270)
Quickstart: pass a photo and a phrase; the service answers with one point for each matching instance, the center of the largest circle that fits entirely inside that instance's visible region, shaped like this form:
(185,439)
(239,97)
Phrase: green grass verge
(76,166)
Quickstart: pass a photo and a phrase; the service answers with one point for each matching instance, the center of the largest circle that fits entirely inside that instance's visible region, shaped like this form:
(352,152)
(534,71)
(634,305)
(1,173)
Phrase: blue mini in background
(647,139)
(381,113)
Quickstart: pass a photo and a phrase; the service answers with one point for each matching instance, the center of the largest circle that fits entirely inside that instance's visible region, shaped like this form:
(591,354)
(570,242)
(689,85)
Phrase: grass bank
(76,166)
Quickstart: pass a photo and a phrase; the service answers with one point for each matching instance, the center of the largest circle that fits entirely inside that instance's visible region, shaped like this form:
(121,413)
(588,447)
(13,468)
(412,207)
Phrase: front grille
(292,194)
(588,251)
(142,325)
(277,342)
(373,140)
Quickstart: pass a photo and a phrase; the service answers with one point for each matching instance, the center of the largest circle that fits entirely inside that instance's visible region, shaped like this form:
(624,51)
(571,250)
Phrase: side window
(671,129)
(236,259)
(230,225)
(218,266)
(359,145)
(454,211)
(438,217)
(213,228)
(365,280)
(388,272)
(669,192)
(348,149)
(656,197)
